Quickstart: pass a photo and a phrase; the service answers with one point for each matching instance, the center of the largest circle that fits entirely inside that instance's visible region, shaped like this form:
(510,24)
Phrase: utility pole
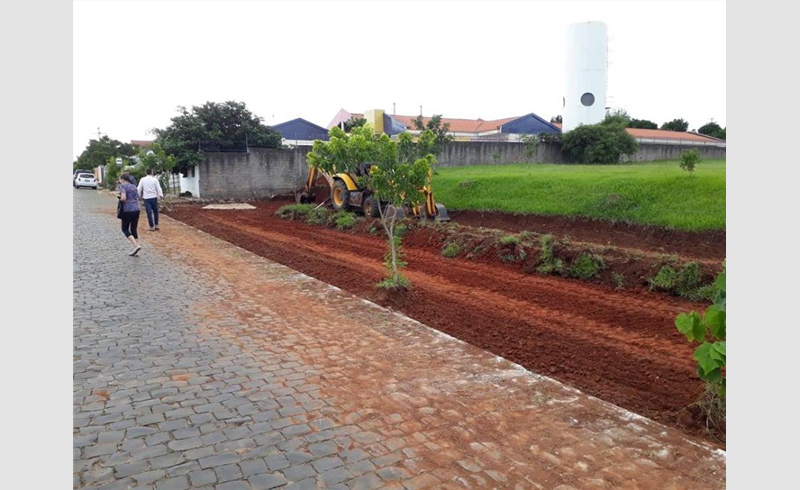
(420,110)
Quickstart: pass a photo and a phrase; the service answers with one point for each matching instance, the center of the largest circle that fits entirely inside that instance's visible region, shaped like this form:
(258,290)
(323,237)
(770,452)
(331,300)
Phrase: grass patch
(686,282)
(451,250)
(294,211)
(618,279)
(655,193)
(587,266)
(548,263)
(401,284)
(344,220)
(509,240)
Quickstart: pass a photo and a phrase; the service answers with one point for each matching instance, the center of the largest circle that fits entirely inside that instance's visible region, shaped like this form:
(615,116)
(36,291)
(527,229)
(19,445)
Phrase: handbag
(120,205)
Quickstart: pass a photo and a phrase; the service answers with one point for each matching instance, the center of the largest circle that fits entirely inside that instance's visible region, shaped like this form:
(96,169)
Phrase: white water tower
(586,74)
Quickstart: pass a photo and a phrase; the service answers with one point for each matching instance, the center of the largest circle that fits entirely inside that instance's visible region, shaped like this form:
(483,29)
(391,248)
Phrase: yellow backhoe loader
(343,193)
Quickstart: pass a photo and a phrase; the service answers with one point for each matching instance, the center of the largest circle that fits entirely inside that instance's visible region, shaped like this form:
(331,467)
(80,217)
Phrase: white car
(85,180)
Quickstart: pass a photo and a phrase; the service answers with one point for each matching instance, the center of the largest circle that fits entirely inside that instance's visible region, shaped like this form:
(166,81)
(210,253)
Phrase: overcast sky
(136,62)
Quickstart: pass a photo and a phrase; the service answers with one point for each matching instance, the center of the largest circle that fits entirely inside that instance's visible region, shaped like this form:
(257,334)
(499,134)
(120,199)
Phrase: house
(299,132)
(506,129)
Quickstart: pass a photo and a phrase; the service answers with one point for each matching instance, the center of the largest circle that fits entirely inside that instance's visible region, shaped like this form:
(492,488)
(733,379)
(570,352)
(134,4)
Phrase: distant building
(299,132)
(506,129)
(669,137)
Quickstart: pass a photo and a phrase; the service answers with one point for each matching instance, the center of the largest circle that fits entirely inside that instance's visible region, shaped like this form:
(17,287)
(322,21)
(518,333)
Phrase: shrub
(344,220)
(598,143)
(689,159)
(618,279)
(451,250)
(710,356)
(686,282)
(587,266)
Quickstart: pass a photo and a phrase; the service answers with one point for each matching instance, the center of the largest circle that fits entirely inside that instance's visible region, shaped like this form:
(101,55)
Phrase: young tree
(675,125)
(441,132)
(213,126)
(112,173)
(157,159)
(397,177)
(556,119)
(689,160)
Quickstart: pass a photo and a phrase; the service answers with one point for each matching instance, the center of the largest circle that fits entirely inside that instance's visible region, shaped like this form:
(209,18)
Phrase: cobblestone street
(198,364)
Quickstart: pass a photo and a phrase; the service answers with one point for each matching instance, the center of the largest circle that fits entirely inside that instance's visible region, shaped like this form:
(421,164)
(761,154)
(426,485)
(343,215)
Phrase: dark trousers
(151,206)
(130,221)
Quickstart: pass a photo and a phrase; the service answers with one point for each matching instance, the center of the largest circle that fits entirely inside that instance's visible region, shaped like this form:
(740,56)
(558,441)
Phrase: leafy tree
(556,119)
(642,124)
(712,129)
(619,115)
(213,126)
(157,159)
(112,173)
(98,152)
(354,122)
(675,125)
(602,143)
(441,132)
(689,159)
(396,178)
(710,356)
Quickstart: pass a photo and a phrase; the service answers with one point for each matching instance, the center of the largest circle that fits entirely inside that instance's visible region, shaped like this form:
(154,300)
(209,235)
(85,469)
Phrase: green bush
(602,143)
(689,159)
(451,250)
(587,266)
(618,279)
(344,220)
(686,282)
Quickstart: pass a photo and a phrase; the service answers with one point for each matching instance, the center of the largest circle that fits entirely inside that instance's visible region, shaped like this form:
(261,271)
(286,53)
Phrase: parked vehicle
(85,180)
(76,173)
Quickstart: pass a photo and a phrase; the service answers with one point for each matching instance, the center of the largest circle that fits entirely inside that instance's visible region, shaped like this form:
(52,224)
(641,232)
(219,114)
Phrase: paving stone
(178,483)
(253,467)
(328,463)
(204,477)
(266,481)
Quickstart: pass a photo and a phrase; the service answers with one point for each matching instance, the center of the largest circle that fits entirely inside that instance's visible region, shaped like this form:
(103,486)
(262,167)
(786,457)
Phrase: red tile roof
(460,125)
(660,134)
(141,143)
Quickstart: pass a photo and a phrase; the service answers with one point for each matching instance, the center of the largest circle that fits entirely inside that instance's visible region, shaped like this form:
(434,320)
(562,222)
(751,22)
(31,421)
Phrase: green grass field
(655,193)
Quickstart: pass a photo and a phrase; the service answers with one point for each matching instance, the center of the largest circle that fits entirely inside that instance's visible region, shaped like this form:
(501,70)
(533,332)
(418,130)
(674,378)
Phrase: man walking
(150,191)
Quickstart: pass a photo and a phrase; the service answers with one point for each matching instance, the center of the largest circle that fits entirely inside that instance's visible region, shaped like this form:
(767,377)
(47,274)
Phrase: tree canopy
(601,143)
(212,127)
(98,152)
(712,129)
(441,132)
(642,124)
(676,125)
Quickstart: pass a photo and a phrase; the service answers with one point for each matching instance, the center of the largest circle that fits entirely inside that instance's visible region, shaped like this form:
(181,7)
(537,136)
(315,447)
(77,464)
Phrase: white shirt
(150,187)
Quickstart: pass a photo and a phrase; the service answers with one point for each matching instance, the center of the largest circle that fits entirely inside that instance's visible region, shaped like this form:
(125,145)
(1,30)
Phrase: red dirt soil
(689,244)
(620,346)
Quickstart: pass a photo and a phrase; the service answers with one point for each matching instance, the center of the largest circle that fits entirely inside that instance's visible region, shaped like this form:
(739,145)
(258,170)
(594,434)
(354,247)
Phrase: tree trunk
(395,273)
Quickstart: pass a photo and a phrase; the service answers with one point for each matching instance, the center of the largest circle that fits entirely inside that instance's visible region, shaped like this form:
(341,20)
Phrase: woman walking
(129,197)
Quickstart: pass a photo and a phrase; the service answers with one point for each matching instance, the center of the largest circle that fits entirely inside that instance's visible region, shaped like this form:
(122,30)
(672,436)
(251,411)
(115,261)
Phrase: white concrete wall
(191,182)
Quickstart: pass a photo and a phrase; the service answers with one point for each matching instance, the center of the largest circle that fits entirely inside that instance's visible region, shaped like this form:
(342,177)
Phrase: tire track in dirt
(621,347)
